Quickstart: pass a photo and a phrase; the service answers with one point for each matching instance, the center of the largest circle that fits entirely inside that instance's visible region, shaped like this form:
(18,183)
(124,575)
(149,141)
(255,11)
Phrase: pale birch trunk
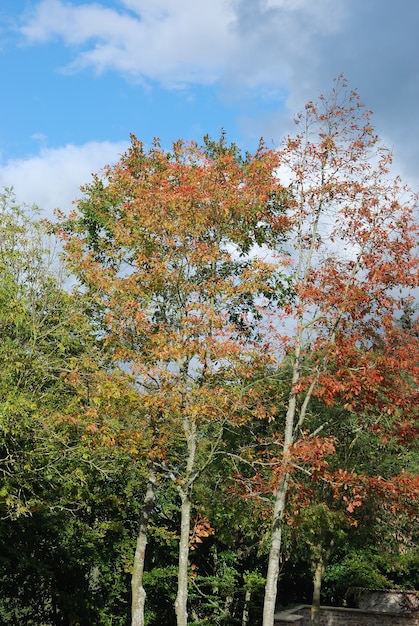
(245,615)
(227,606)
(181,604)
(138,591)
(280,497)
(274,555)
(185,492)
(292,424)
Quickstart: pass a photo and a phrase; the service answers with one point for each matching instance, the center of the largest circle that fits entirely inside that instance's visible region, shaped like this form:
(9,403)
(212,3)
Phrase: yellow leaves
(96,401)
(272,414)
(92,427)
(163,534)
(91,413)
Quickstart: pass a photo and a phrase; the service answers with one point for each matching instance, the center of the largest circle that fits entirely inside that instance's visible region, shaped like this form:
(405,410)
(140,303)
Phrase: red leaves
(201,530)
(398,494)
(309,456)
(312,452)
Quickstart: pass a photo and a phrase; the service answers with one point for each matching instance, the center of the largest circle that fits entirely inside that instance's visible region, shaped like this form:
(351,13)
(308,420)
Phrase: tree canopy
(222,403)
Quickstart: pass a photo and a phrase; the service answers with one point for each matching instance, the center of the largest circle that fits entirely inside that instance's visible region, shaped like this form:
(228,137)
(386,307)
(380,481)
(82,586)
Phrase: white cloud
(173,42)
(52,179)
(294,46)
(249,41)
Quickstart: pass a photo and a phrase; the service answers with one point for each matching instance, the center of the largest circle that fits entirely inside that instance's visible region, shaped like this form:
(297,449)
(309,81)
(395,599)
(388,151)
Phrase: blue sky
(79,76)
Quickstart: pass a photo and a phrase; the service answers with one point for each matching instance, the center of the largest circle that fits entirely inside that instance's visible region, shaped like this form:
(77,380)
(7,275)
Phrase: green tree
(39,337)
(57,506)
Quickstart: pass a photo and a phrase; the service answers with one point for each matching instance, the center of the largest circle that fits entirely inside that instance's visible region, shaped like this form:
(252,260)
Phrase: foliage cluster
(225,404)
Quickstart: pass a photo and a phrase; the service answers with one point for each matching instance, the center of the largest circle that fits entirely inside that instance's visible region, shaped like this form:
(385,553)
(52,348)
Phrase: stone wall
(387,600)
(336,616)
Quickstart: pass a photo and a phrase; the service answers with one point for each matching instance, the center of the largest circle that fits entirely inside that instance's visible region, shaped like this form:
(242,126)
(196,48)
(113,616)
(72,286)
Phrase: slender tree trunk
(185,492)
(274,554)
(181,604)
(281,494)
(317,585)
(227,605)
(138,591)
(321,557)
(245,616)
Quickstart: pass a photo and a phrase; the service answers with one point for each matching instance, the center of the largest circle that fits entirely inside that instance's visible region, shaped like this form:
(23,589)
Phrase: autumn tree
(364,490)
(352,250)
(165,246)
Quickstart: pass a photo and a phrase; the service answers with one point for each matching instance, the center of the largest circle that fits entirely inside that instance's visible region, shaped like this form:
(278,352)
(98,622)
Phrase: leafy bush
(356,569)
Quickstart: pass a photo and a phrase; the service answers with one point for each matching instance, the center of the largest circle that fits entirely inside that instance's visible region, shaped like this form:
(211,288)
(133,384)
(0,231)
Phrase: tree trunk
(281,493)
(274,554)
(227,606)
(280,503)
(245,616)
(185,493)
(138,591)
(317,585)
(181,603)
